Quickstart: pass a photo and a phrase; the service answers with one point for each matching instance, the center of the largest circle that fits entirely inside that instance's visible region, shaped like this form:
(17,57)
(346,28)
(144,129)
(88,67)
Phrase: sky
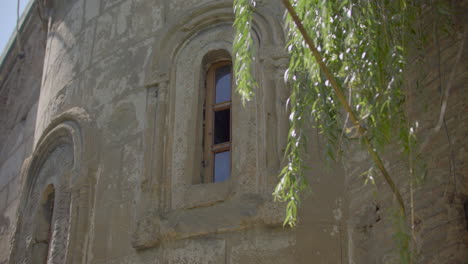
(8,19)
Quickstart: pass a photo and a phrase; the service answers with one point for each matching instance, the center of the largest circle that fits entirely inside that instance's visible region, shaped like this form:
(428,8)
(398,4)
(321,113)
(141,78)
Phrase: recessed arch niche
(56,197)
(42,233)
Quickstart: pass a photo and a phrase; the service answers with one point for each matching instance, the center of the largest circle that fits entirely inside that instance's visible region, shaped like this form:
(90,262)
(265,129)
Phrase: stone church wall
(438,204)
(112,130)
(20,84)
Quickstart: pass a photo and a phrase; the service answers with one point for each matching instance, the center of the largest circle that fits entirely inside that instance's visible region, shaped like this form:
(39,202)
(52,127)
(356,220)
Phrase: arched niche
(42,233)
(57,167)
(175,39)
(266,27)
(184,49)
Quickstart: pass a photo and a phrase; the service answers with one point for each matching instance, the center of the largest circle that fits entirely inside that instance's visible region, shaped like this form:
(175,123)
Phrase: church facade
(122,141)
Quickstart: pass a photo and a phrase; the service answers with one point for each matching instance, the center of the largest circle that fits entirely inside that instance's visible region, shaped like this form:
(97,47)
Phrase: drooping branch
(341,97)
(243,49)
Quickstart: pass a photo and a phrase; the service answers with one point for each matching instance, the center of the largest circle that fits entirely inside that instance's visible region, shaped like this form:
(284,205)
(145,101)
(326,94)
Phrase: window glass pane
(222,125)
(222,166)
(223,84)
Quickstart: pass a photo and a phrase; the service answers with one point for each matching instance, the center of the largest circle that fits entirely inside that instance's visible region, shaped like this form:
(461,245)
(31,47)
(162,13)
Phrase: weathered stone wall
(114,134)
(20,83)
(134,68)
(435,206)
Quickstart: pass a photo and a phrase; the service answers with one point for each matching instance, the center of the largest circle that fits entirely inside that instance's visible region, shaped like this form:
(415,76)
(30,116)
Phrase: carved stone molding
(157,90)
(62,157)
(172,206)
(157,85)
(244,212)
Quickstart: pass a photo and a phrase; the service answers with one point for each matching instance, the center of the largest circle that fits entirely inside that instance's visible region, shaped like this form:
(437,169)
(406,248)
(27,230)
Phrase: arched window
(217,123)
(43,229)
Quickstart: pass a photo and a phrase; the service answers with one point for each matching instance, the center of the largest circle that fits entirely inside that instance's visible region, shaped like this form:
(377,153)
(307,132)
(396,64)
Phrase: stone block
(111,3)
(150,20)
(231,215)
(268,246)
(199,195)
(91,9)
(30,124)
(7,229)
(12,166)
(178,6)
(113,76)
(85,46)
(198,251)
(74,17)
(112,30)
(100,240)
(3,198)
(120,219)
(14,186)
(63,66)
(111,167)
(147,231)
(14,139)
(39,251)
(320,243)
(131,157)
(121,122)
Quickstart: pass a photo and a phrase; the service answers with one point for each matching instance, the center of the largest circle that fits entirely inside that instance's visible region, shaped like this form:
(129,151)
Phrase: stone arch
(185,106)
(266,27)
(269,39)
(214,56)
(182,31)
(57,161)
(204,30)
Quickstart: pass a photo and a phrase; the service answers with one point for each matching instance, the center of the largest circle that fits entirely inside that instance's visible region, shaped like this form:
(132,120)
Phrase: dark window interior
(222,126)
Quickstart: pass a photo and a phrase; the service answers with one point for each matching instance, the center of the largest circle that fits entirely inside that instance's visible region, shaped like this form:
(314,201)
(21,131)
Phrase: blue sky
(8,19)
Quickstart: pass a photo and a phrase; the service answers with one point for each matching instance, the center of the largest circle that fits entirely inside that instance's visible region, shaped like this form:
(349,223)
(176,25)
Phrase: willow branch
(341,97)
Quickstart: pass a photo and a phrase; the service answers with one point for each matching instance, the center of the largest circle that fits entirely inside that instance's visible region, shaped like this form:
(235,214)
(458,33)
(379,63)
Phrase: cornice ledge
(247,211)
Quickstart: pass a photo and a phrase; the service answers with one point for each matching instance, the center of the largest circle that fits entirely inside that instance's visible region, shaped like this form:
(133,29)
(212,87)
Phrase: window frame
(210,149)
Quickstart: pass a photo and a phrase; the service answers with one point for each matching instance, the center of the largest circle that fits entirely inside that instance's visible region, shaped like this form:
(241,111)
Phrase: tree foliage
(243,48)
(361,51)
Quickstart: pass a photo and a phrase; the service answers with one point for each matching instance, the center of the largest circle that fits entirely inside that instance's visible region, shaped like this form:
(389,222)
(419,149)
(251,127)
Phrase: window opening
(217,123)
(43,233)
